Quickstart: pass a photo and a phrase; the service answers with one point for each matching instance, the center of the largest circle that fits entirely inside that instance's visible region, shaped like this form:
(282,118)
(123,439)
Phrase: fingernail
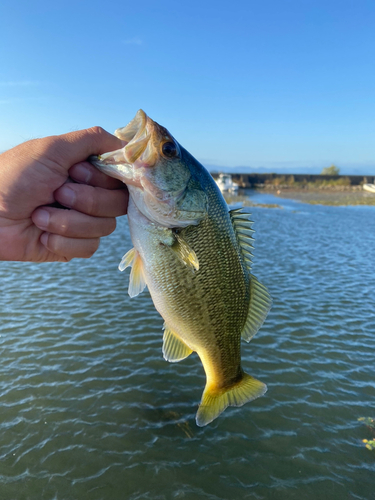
(67,196)
(41,218)
(44,239)
(81,173)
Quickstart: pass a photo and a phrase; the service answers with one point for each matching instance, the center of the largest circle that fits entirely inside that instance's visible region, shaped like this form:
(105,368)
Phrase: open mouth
(136,153)
(134,129)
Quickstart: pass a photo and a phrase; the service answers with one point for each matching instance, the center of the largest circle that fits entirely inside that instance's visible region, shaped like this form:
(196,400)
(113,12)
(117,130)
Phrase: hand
(39,173)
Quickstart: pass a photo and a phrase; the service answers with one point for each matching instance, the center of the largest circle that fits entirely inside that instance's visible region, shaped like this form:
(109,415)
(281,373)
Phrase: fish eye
(169,149)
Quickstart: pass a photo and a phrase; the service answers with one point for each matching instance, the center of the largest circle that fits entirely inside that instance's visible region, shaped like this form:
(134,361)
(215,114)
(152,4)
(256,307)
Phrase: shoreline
(331,197)
(327,197)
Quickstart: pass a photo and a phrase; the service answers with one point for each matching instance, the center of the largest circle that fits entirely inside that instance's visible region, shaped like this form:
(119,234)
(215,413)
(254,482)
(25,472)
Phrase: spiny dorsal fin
(242,226)
(174,349)
(260,304)
(137,282)
(260,300)
(185,253)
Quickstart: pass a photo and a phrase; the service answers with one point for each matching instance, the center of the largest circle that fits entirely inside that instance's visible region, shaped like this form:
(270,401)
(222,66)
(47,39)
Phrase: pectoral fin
(137,282)
(185,253)
(174,349)
(127,260)
(260,304)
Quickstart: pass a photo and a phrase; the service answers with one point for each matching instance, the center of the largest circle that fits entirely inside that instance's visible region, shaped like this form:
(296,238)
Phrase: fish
(194,255)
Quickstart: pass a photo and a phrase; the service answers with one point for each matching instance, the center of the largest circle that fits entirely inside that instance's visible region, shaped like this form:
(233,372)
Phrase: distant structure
(226,184)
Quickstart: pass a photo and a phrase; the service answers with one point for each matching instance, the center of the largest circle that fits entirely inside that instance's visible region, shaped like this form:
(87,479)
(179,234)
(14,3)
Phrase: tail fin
(214,403)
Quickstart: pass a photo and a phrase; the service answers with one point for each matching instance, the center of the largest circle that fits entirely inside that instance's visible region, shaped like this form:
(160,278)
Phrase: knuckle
(92,247)
(54,243)
(93,205)
(60,222)
(110,226)
(64,228)
(86,199)
(96,130)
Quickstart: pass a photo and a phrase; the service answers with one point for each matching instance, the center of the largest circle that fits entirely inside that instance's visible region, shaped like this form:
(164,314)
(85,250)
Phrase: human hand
(39,173)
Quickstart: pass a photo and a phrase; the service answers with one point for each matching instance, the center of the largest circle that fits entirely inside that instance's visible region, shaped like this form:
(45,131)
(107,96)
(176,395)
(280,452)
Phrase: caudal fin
(214,403)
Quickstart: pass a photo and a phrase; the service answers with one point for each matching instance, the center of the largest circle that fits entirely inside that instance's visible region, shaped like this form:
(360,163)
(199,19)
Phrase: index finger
(85,173)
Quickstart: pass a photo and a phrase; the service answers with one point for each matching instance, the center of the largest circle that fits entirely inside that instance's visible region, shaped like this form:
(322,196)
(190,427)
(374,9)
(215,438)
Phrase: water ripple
(89,408)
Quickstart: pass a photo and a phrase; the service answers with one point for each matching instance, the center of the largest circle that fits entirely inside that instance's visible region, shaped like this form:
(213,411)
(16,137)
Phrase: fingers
(94,201)
(70,234)
(72,224)
(86,173)
(69,248)
(76,233)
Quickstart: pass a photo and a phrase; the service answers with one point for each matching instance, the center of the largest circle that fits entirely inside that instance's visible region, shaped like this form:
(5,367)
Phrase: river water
(90,410)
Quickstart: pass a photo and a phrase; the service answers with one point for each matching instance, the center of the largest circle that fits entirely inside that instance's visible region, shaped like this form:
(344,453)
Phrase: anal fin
(174,349)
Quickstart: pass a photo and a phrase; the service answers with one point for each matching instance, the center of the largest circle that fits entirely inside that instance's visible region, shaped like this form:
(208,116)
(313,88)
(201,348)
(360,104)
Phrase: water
(90,410)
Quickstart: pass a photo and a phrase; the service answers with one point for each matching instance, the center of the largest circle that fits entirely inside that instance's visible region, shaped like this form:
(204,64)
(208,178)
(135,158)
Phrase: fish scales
(188,252)
(208,307)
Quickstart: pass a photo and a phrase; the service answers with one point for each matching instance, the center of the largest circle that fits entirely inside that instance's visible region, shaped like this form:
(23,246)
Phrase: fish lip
(117,169)
(134,128)
(138,150)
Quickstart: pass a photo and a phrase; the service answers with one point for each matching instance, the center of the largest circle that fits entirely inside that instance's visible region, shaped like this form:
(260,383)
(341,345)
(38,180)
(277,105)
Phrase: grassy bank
(327,197)
(335,192)
(289,182)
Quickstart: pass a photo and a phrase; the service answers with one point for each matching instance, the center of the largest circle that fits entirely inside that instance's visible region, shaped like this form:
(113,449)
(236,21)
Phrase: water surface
(90,410)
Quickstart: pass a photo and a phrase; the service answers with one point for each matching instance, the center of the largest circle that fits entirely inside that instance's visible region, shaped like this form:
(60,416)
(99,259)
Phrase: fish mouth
(139,150)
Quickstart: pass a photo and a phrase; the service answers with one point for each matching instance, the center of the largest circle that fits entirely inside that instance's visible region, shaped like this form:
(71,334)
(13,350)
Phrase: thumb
(77,146)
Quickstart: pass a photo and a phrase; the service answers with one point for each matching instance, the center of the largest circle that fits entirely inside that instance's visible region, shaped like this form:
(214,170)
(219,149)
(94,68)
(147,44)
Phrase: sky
(275,85)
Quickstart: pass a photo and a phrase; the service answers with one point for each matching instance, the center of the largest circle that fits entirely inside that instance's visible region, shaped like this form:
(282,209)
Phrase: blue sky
(275,84)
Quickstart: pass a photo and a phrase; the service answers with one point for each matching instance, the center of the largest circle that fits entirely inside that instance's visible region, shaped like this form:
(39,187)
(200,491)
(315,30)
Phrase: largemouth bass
(195,258)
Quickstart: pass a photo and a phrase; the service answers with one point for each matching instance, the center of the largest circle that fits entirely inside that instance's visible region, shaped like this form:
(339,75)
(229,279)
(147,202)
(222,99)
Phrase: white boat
(225,183)
(369,187)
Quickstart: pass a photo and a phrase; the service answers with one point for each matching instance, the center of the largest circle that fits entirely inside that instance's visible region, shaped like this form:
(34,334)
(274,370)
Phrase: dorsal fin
(260,300)
(137,282)
(242,226)
(260,304)
(174,349)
